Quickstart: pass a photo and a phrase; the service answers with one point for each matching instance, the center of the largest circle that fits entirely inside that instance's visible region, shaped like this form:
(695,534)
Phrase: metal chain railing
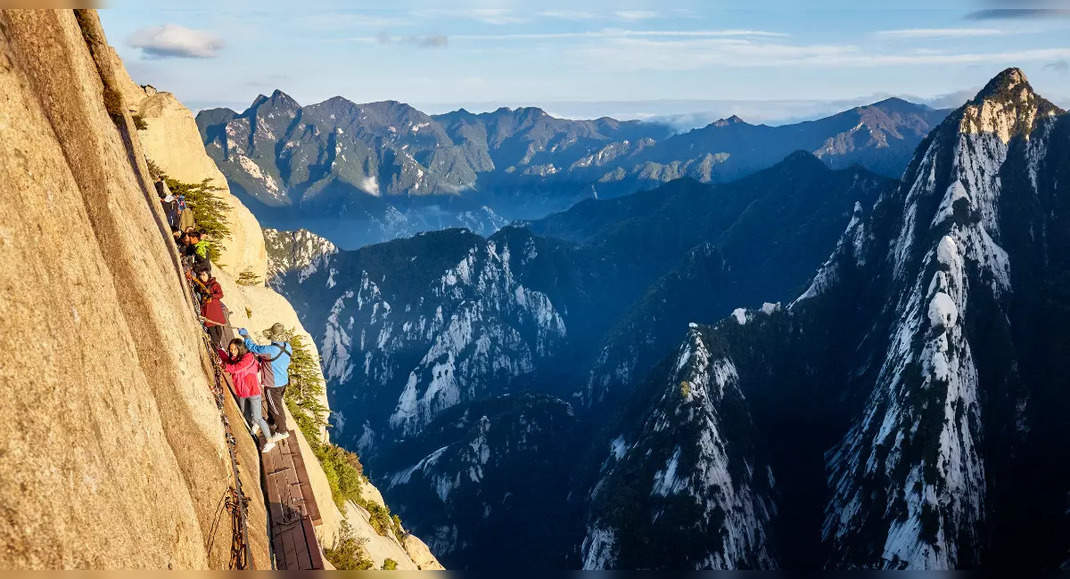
(236,501)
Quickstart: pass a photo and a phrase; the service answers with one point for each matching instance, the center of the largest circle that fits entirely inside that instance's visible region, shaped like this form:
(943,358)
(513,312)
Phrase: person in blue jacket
(278,354)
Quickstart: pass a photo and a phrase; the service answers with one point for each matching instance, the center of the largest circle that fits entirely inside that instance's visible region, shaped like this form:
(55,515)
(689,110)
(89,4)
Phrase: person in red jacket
(210,294)
(244,371)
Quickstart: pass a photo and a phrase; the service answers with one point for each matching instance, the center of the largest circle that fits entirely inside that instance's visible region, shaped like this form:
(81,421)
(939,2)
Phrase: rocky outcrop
(113,449)
(171,140)
(114,452)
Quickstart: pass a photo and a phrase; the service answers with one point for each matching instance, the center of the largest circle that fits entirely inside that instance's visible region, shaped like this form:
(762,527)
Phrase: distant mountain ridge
(419,335)
(361,173)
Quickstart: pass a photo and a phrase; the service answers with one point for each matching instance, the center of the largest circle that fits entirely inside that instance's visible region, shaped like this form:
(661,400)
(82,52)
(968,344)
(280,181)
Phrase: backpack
(267,373)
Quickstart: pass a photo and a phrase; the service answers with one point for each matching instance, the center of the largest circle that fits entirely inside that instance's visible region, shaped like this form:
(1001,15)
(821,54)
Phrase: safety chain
(237,503)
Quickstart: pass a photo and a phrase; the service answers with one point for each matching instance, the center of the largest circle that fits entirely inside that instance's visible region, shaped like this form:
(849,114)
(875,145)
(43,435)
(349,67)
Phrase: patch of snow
(740,314)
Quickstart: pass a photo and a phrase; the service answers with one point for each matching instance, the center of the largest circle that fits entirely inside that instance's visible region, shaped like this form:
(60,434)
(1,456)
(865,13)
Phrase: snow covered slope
(917,388)
(686,489)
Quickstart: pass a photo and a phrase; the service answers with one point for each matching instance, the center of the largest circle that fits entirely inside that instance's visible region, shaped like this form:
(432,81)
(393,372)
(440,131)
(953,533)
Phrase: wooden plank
(304,559)
(315,556)
(311,508)
(293,509)
(290,550)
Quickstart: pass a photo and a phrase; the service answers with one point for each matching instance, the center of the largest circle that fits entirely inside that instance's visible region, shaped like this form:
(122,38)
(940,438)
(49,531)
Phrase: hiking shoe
(280,436)
(267,447)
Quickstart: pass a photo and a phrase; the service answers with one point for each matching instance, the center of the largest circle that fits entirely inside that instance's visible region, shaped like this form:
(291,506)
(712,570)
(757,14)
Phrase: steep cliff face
(915,395)
(685,488)
(113,449)
(171,140)
(114,453)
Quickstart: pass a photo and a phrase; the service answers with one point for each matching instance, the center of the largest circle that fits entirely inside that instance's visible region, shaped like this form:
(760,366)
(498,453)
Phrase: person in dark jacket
(169,201)
(279,354)
(211,294)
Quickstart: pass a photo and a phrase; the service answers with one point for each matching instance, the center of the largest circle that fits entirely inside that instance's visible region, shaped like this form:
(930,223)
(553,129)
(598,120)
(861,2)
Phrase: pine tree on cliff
(306,388)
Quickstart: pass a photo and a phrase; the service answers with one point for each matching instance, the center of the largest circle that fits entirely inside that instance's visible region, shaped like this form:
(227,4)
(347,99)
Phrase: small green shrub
(247,277)
(390,565)
(347,552)
(210,212)
(345,473)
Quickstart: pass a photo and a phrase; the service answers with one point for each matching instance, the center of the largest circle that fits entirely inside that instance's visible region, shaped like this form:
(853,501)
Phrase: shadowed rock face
(914,397)
(113,450)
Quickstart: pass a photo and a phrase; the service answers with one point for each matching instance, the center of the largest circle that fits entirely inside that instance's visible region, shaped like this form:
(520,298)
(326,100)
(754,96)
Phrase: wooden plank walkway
(292,507)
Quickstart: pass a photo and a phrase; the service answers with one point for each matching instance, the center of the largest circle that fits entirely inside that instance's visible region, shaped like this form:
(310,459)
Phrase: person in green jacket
(199,248)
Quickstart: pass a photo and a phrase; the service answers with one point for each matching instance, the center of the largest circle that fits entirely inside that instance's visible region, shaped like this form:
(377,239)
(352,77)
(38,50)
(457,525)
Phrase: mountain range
(877,383)
(906,411)
(363,173)
(415,331)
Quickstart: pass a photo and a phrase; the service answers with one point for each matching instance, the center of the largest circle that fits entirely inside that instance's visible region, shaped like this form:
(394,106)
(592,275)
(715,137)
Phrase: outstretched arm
(257,348)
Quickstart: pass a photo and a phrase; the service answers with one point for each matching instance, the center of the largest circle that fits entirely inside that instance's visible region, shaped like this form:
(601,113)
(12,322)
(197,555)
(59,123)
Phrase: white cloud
(495,16)
(172,40)
(568,14)
(428,41)
(336,21)
(612,33)
(634,15)
(910,33)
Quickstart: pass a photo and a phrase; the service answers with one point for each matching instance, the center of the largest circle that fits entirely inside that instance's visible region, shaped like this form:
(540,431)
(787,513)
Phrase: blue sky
(767,61)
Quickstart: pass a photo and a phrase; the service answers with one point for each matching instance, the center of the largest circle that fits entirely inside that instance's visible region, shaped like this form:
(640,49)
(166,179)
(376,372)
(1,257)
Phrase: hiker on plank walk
(243,369)
(210,293)
(275,373)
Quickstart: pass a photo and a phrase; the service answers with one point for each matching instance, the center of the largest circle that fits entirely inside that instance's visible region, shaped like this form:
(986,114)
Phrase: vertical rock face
(171,140)
(950,270)
(917,389)
(301,251)
(113,450)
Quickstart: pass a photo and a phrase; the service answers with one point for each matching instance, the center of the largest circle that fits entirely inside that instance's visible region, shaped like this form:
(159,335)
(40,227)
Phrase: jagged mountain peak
(526,112)
(278,99)
(727,122)
(1007,106)
(799,160)
(1005,82)
(279,96)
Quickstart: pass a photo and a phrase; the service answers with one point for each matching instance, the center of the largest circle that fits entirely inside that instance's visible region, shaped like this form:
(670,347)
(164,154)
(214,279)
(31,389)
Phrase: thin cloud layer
(1059,66)
(174,41)
(636,54)
(916,33)
(635,15)
(1017,13)
(429,41)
